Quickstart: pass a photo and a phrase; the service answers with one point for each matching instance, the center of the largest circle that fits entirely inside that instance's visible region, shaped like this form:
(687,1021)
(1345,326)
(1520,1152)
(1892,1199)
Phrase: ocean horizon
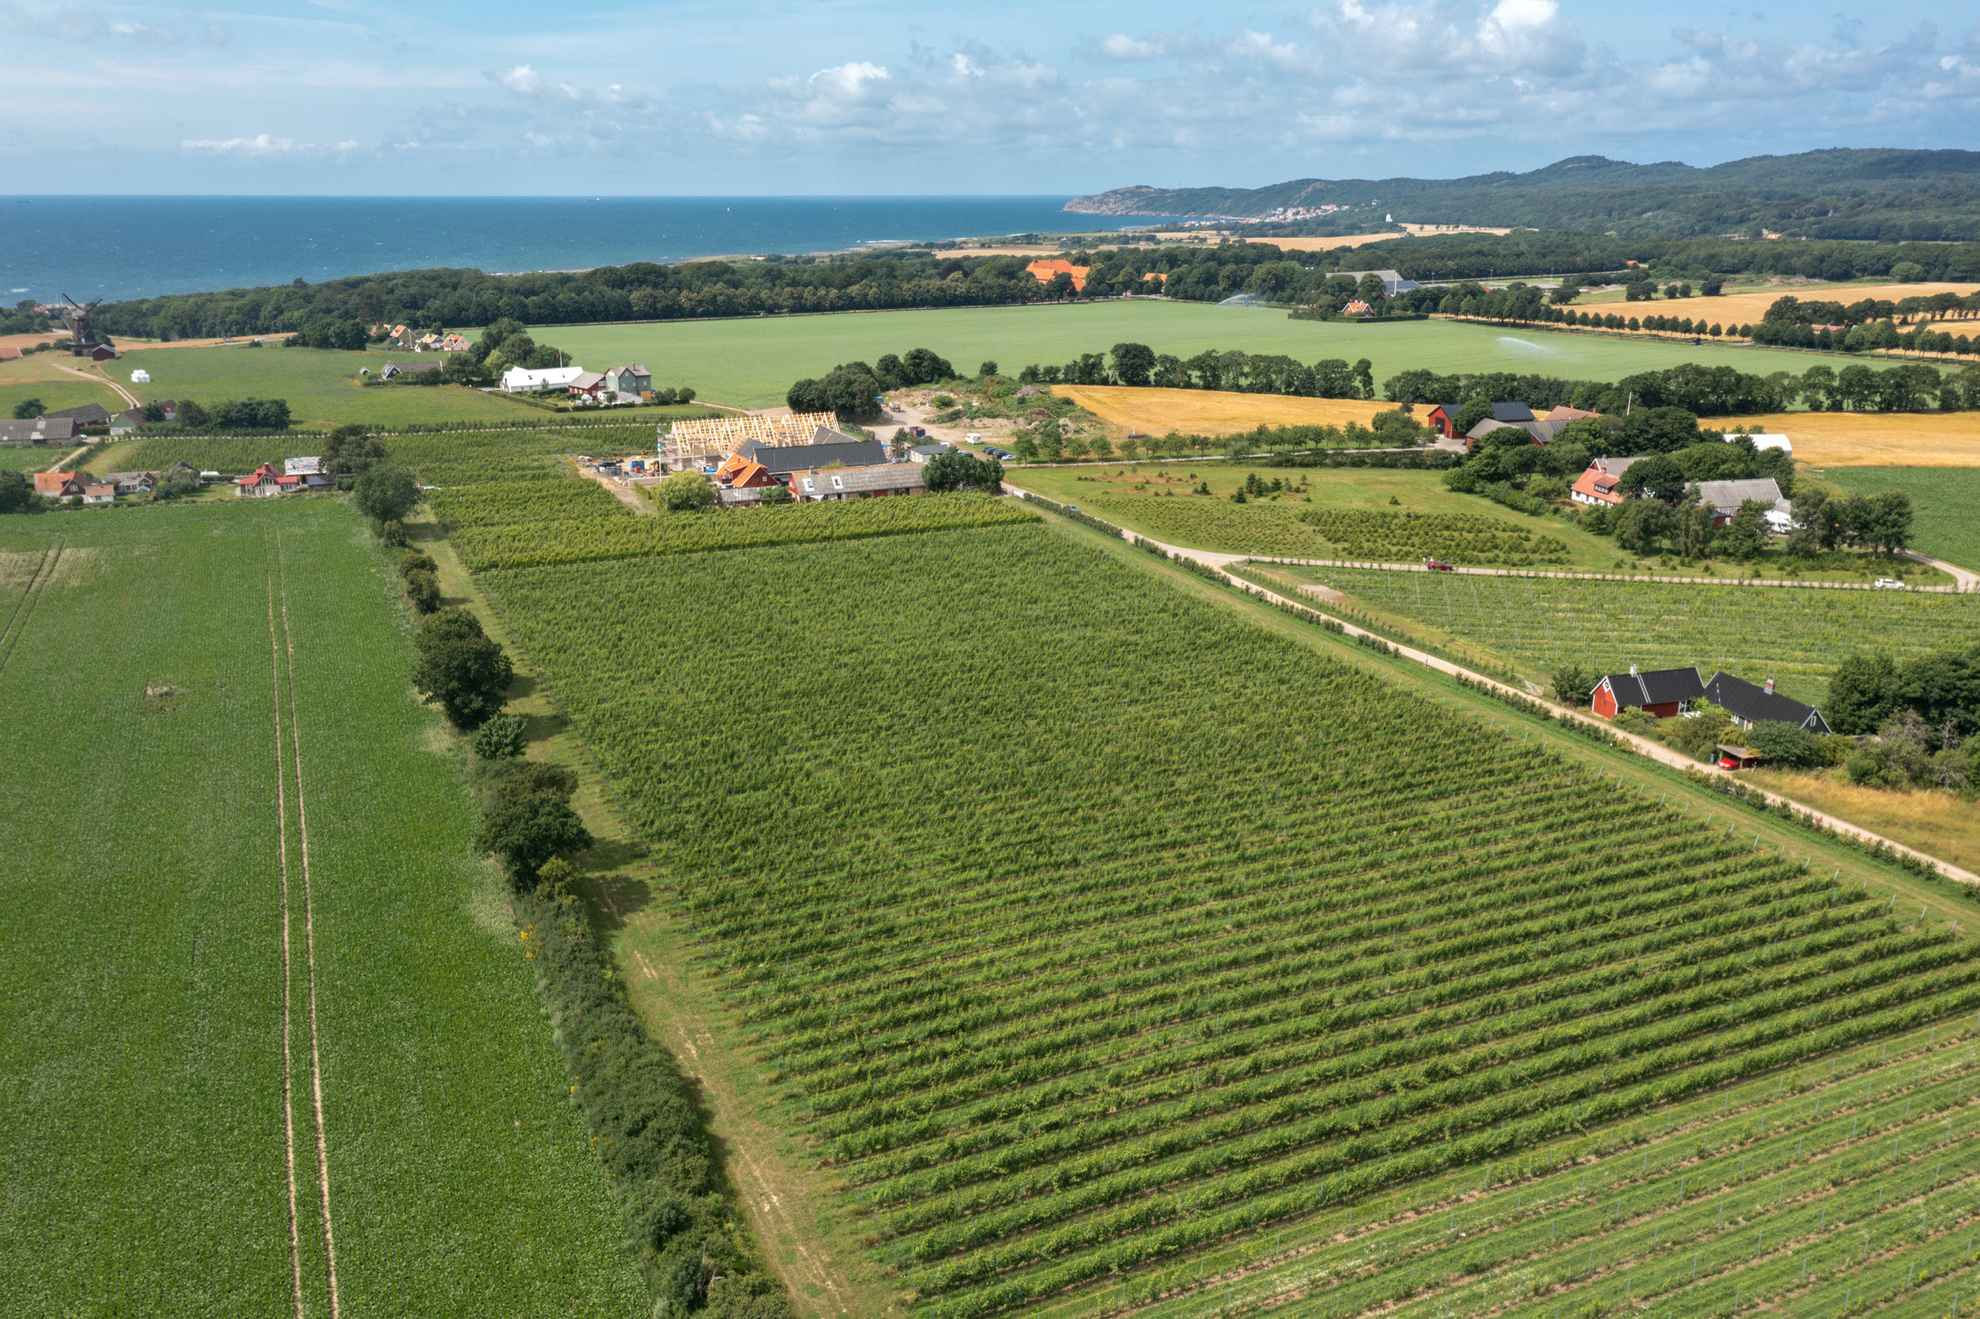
(117,248)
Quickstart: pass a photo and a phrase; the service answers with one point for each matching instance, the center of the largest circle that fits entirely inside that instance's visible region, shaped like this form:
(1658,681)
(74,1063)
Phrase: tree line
(853,389)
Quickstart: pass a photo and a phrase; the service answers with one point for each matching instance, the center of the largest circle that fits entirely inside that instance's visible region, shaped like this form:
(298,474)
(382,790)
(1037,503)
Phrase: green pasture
(1945,504)
(751,362)
(320,384)
(142,1063)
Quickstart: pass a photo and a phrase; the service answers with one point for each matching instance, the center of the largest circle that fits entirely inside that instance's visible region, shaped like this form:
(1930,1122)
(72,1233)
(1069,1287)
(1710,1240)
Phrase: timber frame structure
(690,444)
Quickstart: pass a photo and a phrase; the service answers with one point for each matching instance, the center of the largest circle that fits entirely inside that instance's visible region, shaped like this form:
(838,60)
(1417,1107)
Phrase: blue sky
(837,96)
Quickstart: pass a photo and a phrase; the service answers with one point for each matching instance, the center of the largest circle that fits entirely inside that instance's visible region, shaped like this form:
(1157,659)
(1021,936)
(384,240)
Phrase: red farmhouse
(1663,693)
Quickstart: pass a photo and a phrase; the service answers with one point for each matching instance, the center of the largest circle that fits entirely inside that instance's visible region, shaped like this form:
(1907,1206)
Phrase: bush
(687,492)
(423,591)
(1785,746)
(501,738)
(417,561)
(526,818)
(1573,685)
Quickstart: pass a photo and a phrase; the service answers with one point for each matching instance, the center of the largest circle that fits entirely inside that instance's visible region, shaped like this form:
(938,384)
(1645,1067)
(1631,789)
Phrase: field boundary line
(10,637)
(309,943)
(288,1059)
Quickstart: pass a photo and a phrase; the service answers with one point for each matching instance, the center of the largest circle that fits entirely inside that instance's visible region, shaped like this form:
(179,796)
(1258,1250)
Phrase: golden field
(1212,412)
(1748,308)
(1871,439)
(1323,244)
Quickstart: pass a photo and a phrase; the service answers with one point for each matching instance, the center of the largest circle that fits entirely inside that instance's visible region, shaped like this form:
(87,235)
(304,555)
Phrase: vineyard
(616,534)
(1538,624)
(1255,982)
(1325,532)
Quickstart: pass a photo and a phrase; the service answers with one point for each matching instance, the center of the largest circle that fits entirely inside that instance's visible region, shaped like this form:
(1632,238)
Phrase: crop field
(1252,982)
(1749,306)
(439,458)
(320,384)
(751,362)
(1212,411)
(32,457)
(1859,439)
(1945,505)
(245,925)
(1535,625)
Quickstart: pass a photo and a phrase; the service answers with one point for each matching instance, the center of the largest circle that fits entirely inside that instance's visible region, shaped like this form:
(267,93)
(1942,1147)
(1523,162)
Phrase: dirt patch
(1327,593)
(18,568)
(75,568)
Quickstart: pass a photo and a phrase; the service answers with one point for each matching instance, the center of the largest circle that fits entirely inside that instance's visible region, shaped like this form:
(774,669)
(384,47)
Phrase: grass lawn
(751,362)
(30,457)
(142,1067)
(1945,504)
(320,385)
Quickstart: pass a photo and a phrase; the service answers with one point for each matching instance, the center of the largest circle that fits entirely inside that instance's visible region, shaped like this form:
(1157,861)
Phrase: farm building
(709,440)
(1766,440)
(308,465)
(132,483)
(38,430)
(1662,693)
(921,453)
(1356,307)
(1749,704)
(1536,431)
(1601,483)
(1045,270)
(828,449)
(99,492)
(58,485)
(83,414)
(1724,498)
(522,380)
(1443,417)
(1563,412)
(264,482)
(629,382)
(102,352)
(1392,281)
(589,385)
(857,482)
(1732,756)
(393,370)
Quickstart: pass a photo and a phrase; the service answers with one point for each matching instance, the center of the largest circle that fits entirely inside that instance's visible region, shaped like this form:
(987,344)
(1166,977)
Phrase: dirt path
(130,400)
(1964,579)
(288,1053)
(309,944)
(1221,564)
(620,491)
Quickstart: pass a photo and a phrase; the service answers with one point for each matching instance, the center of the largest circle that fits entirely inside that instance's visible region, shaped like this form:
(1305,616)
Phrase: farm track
(309,940)
(288,1053)
(1964,581)
(17,621)
(288,761)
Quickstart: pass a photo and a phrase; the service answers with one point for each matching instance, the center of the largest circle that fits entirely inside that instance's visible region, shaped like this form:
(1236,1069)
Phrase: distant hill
(1880,194)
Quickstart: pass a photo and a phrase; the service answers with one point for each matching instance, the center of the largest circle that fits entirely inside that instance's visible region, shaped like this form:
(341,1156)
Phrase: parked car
(972,438)
(919,432)
(1888,584)
(1438,565)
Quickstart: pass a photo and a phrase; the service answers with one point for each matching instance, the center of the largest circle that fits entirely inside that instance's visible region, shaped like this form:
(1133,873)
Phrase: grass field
(1211,411)
(39,377)
(1252,981)
(752,362)
(320,385)
(30,457)
(1156,499)
(1860,439)
(1941,823)
(147,1002)
(1536,625)
(1748,306)
(1945,504)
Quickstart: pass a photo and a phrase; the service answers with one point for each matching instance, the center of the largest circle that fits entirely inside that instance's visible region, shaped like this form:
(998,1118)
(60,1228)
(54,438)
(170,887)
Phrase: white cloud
(848,82)
(964,67)
(1121,46)
(1515,14)
(522,79)
(1252,45)
(263,145)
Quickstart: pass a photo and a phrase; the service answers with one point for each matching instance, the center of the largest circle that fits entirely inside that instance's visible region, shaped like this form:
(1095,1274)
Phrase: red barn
(1443,420)
(1662,693)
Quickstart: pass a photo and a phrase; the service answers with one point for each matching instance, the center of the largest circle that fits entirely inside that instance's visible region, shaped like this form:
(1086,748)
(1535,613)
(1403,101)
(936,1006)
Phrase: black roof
(1757,705)
(1513,412)
(84,414)
(782,461)
(1657,687)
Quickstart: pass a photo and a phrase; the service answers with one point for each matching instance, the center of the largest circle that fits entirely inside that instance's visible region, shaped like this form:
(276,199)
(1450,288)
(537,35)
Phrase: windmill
(82,337)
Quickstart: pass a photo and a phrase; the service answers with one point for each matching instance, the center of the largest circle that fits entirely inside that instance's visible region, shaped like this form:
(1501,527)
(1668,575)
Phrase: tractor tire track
(309,945)
(10,636)
(288,1058)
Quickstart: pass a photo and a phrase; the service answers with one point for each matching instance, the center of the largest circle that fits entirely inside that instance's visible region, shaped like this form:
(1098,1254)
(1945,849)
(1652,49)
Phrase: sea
(136,247)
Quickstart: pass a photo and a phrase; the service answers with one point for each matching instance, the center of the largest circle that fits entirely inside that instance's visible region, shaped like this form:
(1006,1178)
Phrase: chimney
(1770,686)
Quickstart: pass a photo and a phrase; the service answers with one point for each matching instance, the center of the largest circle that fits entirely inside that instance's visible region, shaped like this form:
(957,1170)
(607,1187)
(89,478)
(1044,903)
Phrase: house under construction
(705,441)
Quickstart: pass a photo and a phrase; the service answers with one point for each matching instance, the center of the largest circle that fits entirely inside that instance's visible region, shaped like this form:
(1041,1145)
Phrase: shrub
(501,738)
(526,817)
(423,591)
(687,492)
(1573,685)
(1786,746)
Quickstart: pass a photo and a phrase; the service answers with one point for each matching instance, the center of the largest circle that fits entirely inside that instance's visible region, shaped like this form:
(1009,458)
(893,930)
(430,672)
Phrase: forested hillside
(1875,194)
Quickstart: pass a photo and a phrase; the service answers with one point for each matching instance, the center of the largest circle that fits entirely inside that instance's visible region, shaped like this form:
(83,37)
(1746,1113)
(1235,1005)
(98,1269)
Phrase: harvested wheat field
(1324,244)
(1749,308)
(1872,439)
(1212,412)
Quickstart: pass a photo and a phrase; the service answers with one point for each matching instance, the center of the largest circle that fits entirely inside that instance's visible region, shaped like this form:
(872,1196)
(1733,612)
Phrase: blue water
(132,247)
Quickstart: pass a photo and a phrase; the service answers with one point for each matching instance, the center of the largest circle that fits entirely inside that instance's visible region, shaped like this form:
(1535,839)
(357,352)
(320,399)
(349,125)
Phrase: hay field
(1324,244)
(1858,439)
(1212,412)
(1748,306)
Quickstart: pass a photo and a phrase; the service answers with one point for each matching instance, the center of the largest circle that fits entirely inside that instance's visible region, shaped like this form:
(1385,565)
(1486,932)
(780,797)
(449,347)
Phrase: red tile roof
(1044,270)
